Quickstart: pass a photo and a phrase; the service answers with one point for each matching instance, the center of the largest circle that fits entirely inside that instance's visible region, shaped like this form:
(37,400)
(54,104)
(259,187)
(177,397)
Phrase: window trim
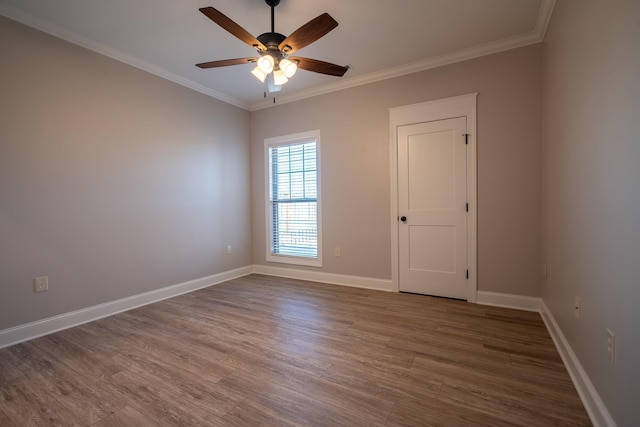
(290,140)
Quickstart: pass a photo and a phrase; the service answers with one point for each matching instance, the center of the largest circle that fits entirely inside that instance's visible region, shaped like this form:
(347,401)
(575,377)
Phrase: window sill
(284,259)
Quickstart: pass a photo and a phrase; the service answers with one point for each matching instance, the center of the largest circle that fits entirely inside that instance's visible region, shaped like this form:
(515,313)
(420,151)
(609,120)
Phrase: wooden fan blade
(321,67)
(308,33)
(226,62)
(235,29)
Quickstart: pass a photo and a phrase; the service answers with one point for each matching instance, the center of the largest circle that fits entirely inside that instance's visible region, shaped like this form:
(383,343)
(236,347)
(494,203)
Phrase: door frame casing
(458,106)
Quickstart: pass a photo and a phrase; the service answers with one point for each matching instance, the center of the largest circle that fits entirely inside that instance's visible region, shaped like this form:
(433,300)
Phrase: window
(293,199)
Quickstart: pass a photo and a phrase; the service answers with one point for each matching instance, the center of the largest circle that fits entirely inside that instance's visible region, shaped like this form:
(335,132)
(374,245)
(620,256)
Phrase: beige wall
(113,182)
(354,127)
(591,190)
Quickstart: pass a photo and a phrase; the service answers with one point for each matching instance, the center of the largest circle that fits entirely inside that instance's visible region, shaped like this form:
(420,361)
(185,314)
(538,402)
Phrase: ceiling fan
(274,64)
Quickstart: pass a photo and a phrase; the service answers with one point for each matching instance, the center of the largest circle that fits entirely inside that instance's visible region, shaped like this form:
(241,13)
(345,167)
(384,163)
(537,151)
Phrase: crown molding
(544,17)
(64,34)
(535,36)
(413,67)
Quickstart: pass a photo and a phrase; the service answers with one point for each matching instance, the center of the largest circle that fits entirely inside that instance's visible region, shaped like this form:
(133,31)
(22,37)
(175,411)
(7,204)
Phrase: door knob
(403,218)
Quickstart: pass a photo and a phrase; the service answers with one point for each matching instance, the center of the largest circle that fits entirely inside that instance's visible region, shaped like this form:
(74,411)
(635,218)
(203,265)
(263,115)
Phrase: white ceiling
(378,39)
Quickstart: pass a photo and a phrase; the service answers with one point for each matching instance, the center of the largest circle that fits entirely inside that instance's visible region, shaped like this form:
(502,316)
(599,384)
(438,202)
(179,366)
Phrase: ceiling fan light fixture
(288,67)
(266,64)
(260,75)
(273,65)
(279,78)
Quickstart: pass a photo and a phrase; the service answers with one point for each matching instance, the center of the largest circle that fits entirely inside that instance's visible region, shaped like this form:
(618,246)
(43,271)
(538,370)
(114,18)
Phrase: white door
(432,208)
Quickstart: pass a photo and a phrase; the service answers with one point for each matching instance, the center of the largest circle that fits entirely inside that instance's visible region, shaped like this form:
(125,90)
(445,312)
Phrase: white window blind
(293,201)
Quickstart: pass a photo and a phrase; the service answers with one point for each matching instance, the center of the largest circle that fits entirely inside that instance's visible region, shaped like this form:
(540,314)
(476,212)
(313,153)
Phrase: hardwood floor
(270,351)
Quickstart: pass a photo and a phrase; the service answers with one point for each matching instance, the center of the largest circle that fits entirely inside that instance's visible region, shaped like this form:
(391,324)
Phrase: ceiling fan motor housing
(271,40)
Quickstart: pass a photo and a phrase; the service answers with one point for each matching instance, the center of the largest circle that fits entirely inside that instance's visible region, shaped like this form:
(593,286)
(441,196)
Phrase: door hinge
(467,207)
(466,138)
(467,274)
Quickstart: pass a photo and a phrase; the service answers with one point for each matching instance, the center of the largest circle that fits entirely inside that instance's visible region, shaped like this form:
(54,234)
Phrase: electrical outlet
(41,284)
(229,250)
(611,346)
(338,252)
(576,308)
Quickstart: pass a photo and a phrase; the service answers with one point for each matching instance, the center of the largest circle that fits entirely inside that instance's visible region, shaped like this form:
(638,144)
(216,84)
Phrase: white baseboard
(50,325)
(518,302)
(600,416)
(330,278)
(593,403)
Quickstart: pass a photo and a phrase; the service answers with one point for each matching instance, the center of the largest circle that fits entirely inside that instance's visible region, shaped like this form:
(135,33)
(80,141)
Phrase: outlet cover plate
(41,284)
(611,346)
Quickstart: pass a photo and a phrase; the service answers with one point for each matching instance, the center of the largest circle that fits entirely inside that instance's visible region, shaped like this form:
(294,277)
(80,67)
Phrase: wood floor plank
(4,420)
(494,380)
(271,351)
(48,376)
(295,404)
(26,405)
(162,402)
(67,351)
(502,403)
(390,383)
(250,413)
(126,416)
(436,413)
(10,368)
